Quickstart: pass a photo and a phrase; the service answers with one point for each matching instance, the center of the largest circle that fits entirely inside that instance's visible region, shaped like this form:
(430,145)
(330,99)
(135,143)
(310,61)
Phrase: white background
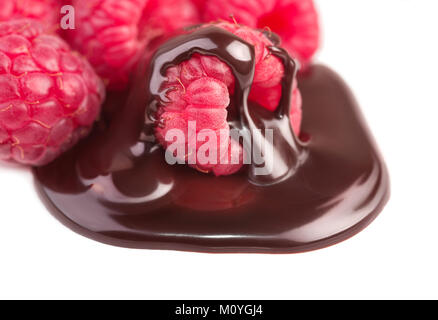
(387,52)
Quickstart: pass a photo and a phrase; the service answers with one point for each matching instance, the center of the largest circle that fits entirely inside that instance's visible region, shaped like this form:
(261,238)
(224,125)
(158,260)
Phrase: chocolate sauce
(115,186)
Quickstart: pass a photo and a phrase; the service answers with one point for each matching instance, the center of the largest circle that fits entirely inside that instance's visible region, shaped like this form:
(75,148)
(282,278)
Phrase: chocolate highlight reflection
(115,187)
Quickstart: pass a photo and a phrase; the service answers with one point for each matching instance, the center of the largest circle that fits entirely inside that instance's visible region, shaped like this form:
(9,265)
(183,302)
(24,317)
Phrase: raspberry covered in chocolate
(198,91)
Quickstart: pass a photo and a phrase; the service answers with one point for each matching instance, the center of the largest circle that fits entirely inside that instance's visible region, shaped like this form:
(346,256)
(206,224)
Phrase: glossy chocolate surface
(115,186)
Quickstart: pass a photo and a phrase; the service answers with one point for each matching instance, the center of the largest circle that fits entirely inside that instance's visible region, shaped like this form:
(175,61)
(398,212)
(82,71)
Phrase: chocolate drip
(212,41)
(272,36)
(287,152)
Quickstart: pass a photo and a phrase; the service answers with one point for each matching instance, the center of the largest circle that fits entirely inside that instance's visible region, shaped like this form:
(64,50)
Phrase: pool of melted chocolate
(115,187)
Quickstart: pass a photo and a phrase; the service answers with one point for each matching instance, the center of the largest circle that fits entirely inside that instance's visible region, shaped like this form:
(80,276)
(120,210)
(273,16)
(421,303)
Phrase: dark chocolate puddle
(116,188)
(105,193)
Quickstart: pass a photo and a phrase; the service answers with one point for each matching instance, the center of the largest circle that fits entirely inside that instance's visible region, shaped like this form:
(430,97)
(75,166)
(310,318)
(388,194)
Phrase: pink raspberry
(199,93)
(107,34)
(269,71)
(113,33)
(49,96)
(199,4)
(45,11)
(199,90)
(295,21)
(162,17)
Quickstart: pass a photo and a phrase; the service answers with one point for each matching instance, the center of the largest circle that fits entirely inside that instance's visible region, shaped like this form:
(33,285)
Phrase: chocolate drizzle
(287,152)
(115,186)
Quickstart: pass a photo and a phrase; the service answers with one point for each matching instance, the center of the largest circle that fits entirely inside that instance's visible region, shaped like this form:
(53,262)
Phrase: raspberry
(113,33)
(199,90)
(45,11)
(199,4)
(161,17)
(295,21)
(107,34)
(49,97)
(196,96)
